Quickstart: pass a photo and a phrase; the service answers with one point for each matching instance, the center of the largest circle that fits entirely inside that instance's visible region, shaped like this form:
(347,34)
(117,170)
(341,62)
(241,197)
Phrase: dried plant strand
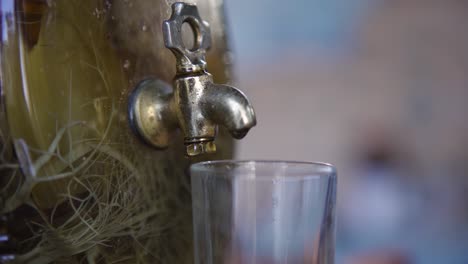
(113,204)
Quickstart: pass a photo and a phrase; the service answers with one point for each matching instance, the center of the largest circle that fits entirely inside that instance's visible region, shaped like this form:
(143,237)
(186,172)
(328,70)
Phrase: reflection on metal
(196,105)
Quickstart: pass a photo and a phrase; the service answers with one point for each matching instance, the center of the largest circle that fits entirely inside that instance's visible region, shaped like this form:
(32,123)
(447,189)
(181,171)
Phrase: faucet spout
(202,106)
(229,107)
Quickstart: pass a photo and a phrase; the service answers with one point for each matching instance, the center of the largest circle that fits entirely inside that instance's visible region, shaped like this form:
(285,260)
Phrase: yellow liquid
(94,191)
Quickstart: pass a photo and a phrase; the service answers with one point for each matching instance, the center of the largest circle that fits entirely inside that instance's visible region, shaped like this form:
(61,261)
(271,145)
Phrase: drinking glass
(256,212)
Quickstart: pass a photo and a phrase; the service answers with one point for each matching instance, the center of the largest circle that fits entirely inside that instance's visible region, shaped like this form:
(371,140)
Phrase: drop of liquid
(97,13)
(275,201)
(126,64)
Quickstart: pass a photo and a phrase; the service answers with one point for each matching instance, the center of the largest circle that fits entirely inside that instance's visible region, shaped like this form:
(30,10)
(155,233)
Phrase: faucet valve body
(196,105)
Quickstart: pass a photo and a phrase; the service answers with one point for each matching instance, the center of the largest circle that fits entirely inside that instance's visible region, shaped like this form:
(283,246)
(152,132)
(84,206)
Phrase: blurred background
(378,88)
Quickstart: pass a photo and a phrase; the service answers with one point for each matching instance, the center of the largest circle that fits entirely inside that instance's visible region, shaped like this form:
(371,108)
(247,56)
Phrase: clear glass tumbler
(256,212)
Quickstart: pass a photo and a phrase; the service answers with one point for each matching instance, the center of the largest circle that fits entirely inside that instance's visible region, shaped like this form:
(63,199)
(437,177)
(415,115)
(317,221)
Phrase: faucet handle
(188,59)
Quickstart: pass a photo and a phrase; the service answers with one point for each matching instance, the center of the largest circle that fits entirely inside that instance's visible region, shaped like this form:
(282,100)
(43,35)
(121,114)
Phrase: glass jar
(78,184)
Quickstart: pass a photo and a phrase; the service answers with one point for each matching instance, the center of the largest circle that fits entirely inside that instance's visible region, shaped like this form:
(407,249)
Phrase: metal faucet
(196,105)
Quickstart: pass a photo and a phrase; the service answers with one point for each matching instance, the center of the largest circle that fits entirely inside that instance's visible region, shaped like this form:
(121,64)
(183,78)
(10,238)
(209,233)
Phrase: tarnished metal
(196,105)
(188,59)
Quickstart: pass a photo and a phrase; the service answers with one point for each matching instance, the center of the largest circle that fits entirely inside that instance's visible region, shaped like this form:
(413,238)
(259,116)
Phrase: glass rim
(306,167)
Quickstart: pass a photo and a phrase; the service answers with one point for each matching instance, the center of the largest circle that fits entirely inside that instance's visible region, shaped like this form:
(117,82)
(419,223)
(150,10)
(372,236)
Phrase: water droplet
(275,201)
(97,13)
(126,64)
(276,180)
(144,27)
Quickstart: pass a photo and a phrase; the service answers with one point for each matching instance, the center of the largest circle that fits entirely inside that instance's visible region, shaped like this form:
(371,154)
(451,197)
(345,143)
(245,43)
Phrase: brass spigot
(196,105)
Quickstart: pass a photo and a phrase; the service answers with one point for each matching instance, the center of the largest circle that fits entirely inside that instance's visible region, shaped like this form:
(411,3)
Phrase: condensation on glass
(76,185)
